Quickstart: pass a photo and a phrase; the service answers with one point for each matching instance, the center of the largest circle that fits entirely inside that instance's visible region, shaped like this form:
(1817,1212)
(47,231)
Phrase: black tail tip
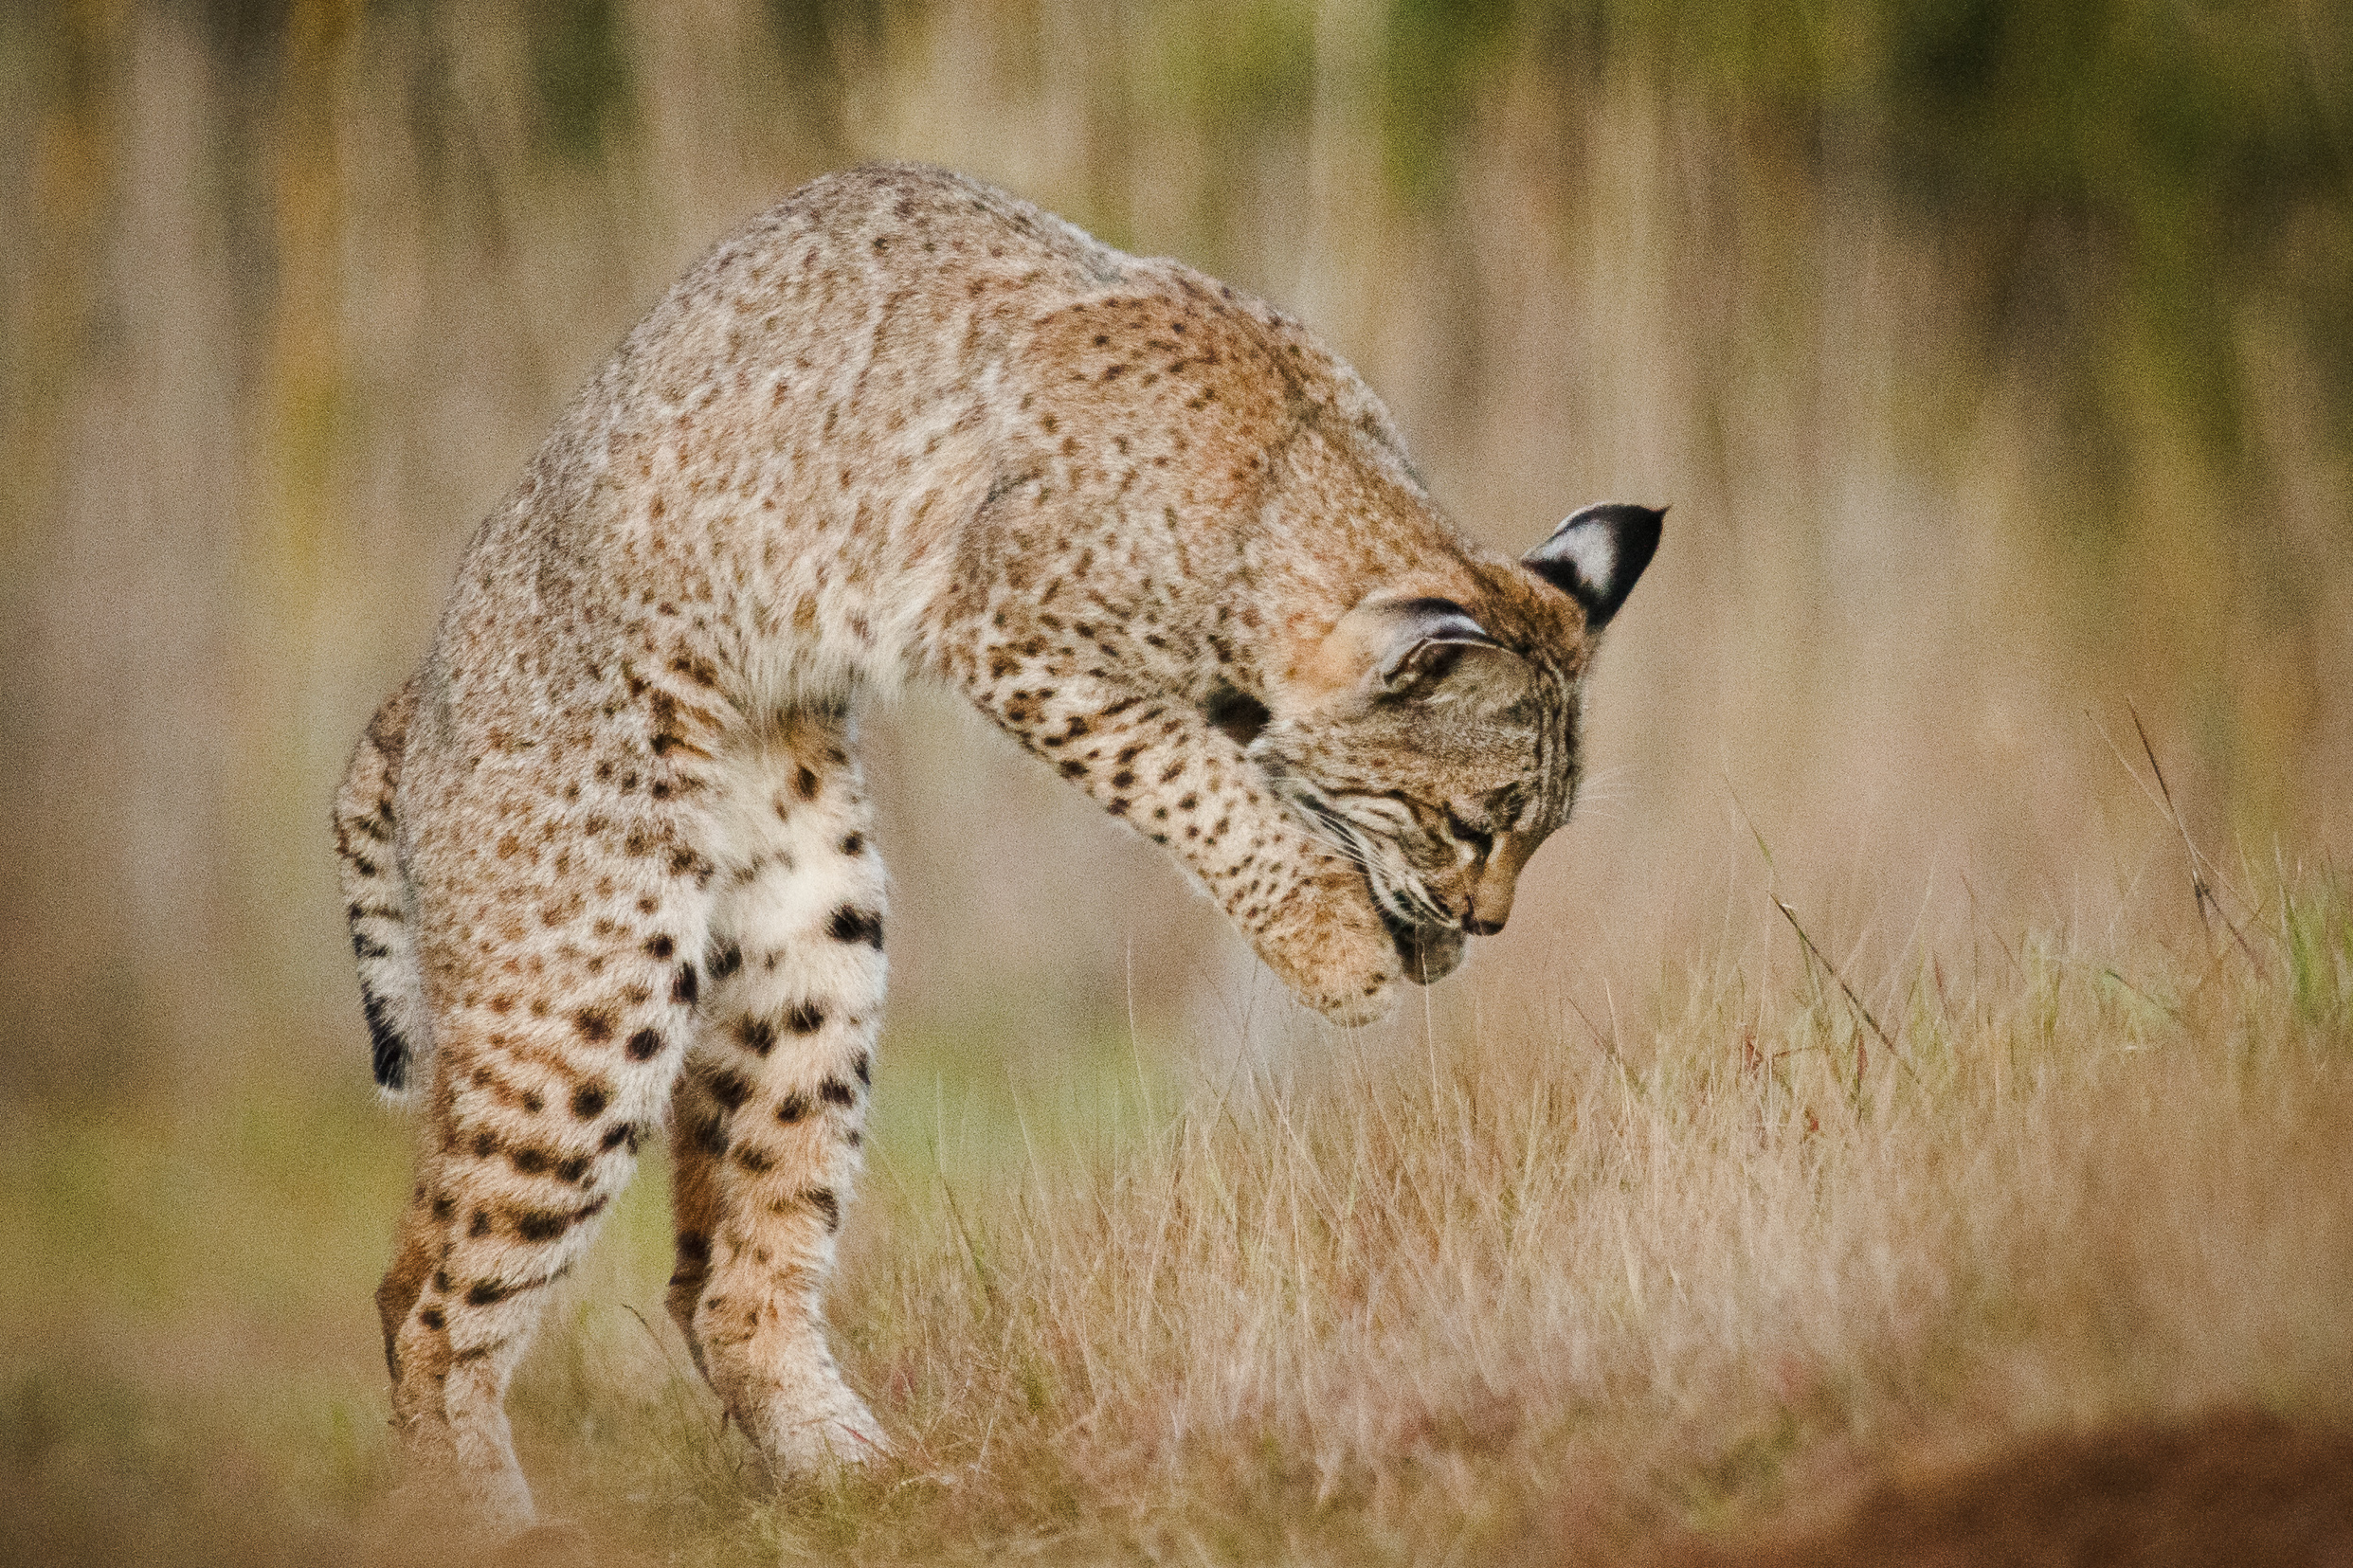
(389,1048)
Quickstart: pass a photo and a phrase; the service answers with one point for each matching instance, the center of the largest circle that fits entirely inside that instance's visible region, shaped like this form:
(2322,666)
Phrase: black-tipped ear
(1595,556)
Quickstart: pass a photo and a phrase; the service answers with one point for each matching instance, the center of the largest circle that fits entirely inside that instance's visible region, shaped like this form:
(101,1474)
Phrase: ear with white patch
(1595,556)
(1430,650)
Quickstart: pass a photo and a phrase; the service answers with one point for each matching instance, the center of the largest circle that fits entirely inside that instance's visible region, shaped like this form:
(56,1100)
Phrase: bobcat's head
(1433,740)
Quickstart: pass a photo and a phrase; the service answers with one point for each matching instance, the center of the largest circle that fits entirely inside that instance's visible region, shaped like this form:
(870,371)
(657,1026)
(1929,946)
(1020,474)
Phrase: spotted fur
(608,859)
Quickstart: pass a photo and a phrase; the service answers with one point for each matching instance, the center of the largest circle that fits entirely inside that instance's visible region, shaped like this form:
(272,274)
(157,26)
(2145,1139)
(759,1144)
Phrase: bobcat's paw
(1371,1005)
(809,1442)
(1329,944)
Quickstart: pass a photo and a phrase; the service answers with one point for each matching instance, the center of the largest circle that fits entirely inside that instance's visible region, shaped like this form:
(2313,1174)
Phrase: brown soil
(2230,1489)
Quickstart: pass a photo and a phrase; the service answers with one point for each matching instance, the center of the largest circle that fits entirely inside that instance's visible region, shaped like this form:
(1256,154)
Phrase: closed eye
(1478,841)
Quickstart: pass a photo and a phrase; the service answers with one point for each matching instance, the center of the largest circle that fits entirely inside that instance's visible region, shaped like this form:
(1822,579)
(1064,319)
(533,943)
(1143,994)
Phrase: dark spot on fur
(729,1088)
(864,1067)
(828,1207)
(726,961)
(589,1099)
(757,1162)
(444,1208)
(711,1135)
(485,1292)
(541,1225)
(1241,717)
(805,1018)
(686,986)
(618,1134)
(835,1092)
(480,1224)
(793,1108)
(644,1045)
(851,924)
(596,1025)
(432,1317)
(854,844)
(805,783)
(660,945)
(693,1247)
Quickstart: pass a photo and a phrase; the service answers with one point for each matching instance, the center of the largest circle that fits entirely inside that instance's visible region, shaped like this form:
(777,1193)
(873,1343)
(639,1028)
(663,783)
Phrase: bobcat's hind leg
(561,985)
(769,1115)
(531,1131)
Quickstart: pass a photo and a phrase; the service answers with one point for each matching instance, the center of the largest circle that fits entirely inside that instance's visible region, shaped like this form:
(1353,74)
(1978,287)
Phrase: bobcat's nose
(1491,898)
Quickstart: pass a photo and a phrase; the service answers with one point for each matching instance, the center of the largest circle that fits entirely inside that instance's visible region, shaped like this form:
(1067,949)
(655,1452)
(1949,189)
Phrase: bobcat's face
(1437,755)
(1439,778)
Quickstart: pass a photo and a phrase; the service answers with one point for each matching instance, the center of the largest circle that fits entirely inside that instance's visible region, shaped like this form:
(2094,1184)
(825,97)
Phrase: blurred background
(1995,355)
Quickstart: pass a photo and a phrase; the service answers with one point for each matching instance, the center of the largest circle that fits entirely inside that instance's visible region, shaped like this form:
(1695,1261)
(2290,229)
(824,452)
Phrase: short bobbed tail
(367,837)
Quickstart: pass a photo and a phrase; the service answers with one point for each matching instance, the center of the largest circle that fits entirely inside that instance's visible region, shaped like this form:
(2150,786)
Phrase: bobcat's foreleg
(1158,764)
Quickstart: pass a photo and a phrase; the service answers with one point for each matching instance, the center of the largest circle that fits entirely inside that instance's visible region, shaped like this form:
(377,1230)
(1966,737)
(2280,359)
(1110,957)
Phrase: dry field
(1553,1288)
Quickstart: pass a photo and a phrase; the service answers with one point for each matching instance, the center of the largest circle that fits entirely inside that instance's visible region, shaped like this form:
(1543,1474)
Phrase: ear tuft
(1596,555)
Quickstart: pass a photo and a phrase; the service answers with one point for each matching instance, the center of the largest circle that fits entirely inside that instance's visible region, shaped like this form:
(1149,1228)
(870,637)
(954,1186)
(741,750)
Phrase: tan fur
(608,855)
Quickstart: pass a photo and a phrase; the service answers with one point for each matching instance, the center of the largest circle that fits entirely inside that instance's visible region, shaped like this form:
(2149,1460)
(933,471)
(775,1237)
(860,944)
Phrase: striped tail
(365,834)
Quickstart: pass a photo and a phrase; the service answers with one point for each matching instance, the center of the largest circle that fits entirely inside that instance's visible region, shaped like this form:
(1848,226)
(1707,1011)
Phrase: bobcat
(606,854)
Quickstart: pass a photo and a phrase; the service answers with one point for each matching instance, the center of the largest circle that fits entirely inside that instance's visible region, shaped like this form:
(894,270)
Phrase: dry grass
(1551,1289)
(288,308)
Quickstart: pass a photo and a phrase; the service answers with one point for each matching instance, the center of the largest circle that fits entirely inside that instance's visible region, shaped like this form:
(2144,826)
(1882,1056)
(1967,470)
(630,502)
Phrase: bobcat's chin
(1428,953)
